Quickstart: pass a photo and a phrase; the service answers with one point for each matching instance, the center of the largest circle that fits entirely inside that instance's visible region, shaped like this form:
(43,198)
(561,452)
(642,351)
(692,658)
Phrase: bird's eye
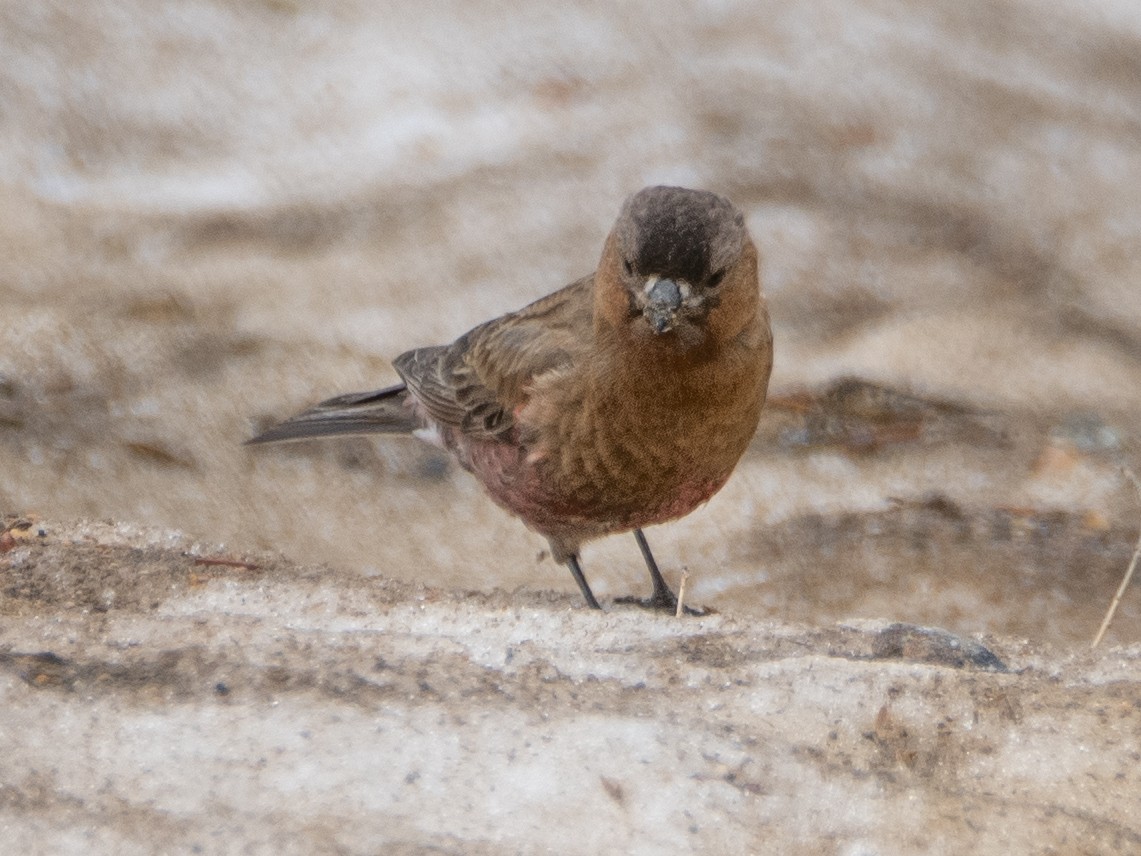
(626,263)
(715,280)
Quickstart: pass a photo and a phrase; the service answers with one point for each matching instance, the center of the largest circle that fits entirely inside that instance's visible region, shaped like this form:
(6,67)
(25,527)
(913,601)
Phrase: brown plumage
(622,400)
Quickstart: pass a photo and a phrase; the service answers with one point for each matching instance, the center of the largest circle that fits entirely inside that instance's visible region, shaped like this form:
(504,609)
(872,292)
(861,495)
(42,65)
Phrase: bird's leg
(576,572)
(663,597)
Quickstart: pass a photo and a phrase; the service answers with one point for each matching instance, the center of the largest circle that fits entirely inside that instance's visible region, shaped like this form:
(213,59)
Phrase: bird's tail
(380,412)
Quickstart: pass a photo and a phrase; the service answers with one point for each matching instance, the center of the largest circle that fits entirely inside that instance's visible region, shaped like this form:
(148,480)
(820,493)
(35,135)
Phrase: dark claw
(666,602)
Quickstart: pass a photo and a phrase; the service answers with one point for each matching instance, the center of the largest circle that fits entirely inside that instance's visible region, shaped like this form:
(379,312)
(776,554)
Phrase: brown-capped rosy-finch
(623,400)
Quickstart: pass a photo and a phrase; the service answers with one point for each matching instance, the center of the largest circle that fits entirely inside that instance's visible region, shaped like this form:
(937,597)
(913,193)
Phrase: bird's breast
(645,447)
(622,445)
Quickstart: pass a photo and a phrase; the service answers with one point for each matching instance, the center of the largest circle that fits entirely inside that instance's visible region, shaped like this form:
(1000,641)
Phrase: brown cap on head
(677,233)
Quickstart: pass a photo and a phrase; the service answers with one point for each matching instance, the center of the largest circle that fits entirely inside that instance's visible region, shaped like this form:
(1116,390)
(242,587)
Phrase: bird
(623,400)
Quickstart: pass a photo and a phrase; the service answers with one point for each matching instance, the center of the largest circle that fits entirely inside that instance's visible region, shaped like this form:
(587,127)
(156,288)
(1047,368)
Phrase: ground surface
(156,702)
(215,214)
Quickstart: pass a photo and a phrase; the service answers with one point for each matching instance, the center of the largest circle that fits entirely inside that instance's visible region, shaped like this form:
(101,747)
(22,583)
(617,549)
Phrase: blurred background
(214,214)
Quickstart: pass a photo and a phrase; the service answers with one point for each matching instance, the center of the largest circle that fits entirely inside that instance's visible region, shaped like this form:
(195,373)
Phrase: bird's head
(678,268)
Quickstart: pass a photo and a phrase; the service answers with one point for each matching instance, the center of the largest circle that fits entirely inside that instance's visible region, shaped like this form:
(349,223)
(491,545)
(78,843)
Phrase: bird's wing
(479,382)
(379,412)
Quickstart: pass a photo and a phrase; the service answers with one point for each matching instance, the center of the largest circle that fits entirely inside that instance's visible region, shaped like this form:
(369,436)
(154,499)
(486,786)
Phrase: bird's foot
(662,601)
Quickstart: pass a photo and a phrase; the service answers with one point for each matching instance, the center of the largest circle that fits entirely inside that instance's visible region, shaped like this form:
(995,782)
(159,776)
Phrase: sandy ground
(190,706)
(213,214)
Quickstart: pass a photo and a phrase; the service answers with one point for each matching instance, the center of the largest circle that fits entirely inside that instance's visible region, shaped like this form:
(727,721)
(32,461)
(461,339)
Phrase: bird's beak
(663,299)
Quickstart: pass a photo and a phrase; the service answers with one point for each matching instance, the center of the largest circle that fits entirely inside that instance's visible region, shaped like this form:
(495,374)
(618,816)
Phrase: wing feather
(478,383)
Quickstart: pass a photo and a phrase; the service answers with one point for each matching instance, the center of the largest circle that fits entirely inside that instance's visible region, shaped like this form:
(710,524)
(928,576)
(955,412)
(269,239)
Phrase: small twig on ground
(681,594)
(1128,573)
